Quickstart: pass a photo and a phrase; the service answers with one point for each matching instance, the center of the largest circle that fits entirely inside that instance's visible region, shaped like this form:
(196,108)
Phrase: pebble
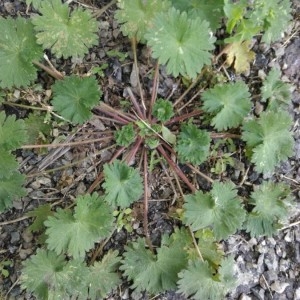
(279,287)
(297,294)
(14,237)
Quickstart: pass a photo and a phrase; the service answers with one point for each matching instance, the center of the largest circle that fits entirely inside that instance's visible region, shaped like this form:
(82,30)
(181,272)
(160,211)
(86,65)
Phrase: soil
(267,268)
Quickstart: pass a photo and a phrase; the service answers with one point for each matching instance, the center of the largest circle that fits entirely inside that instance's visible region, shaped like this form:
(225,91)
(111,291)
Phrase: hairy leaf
(136,16)
(74,97)
(163,110)
(11,188)
(182,43)
(211,11)
(12,132)
(18,49)
(103,275)
(156,273)
(240,55)
(220,209)
(66,34)
(41,214)
(192,144)
(230,102)
(126,135)
(36,127)
(234,12)
(8,164)
(276,92)
(200,281)
(92,221)
(270,139)
(270,202)
(123,184)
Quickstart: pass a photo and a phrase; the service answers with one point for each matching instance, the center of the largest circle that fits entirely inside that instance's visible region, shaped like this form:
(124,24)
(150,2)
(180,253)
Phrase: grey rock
(14,237)
(271,260)
(279,287)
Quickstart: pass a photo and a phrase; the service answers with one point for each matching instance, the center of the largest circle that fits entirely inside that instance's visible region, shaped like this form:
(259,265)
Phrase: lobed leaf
(74,97)
(192,144)
(220,209)
(8,164)
(136,16)
(123,184)
(182,43)
(126,135)
(270,202)
(12,132)
(156,273)
(270,139)
(92,221)
(230,102)
(18,50)
(200,281)
(275,91)
(65,33)
(163,110)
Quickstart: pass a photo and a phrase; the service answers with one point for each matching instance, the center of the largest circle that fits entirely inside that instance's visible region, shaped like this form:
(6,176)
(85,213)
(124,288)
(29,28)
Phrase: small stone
(271,260)
(297,294)
(24,253)
(279,287)
(15,237)
(288,237)
(244,297)
(27,236)
(284,265)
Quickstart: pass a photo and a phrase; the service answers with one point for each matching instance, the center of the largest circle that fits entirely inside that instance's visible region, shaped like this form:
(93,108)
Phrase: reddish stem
(154,91)
(134,149)
(176,168)
(184,117)
(135,104)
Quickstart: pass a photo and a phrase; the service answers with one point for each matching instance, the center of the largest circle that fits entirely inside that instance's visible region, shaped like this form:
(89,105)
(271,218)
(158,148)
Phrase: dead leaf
(239,54)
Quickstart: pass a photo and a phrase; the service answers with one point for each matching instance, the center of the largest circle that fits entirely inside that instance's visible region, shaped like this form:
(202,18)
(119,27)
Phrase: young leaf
(200,281)
(156,273)
(91,222)
(67,34)
(74,97)
(123,184)
(126,135)
(36,127)
(192,144)
(182,43)
(239,54)
(230,102)
(135,16)
(276,92)
(41,214)
(11,188)
(220,209)
(103,276)
(270,139)
(275,16)
(163,110)
(12,132)
(270,202)
(234,12)
(18,49)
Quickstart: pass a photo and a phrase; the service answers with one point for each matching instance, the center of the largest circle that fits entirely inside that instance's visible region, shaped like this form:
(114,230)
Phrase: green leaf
(18,49)
(35,3)
(123,184)
(74,97)
(229,102)
(11,188)
(126,135)
(156,273)
(12,132)
(192,144)
(65,33)
(8,164)
(276,92)
(271,201)
(163,110)
(50,276)
(168,135)
(211,11)
(136,16)
(270,139)
(234,12)
(36,127)
(220,209)
(182,43)
(91,222)
(275,16)
(103,275)
(41,214)
(200,281)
